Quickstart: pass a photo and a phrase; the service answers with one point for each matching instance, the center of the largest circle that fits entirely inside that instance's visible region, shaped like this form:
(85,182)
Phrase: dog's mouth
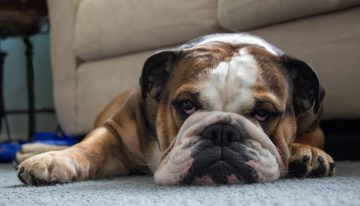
(220,148)
(220,165)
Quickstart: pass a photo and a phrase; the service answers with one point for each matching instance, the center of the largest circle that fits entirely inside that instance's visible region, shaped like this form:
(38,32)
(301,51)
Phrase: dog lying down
(221,109)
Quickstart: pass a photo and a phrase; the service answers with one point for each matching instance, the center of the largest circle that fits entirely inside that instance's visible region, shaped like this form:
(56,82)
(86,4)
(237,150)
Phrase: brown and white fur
(224,108)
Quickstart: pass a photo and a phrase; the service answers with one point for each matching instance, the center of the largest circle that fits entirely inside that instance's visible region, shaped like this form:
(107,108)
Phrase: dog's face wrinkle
(204,57)
(195,76)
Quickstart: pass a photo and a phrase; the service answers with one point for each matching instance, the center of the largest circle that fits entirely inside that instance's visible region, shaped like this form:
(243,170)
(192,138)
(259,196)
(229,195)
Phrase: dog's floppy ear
(307,91)
(155,72)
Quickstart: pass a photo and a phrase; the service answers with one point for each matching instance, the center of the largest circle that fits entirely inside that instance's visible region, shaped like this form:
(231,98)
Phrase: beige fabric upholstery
(118,27)
(98,48)
(103,80)
(238,15)
(62,16)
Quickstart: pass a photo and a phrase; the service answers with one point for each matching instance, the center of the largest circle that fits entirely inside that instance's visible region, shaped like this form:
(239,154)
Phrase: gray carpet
(342,189)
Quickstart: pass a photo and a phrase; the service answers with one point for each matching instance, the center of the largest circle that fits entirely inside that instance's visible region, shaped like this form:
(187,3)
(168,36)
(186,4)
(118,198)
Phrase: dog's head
(229,106)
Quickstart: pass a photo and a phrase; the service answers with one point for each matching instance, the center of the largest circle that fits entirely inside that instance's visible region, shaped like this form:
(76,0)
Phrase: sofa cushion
(100,81)
(123,26)
(238,15)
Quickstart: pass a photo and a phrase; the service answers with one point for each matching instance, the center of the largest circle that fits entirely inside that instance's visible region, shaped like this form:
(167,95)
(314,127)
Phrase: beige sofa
(98,47)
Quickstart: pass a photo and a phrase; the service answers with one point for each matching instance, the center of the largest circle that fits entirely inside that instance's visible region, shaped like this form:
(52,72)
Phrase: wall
(15,92)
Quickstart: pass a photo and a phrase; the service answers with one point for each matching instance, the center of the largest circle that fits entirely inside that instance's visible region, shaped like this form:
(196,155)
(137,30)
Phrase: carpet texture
(342,189)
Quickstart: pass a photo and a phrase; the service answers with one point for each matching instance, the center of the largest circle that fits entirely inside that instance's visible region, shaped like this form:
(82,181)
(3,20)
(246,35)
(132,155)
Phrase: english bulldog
(221,109)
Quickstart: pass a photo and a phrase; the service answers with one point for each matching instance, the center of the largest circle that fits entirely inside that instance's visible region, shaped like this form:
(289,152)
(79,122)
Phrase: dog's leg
(98,156)
(315,138)
(307,157)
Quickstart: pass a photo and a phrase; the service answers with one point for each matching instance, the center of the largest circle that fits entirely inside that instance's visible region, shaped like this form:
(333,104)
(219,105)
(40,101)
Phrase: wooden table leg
(2,101)
(30,86)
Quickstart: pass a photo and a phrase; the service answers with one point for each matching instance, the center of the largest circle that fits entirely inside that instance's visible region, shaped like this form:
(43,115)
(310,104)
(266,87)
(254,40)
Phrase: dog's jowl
(221,109)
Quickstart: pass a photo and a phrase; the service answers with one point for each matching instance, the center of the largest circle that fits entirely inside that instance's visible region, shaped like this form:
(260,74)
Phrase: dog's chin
(239,162)
(220,166)
(220,172)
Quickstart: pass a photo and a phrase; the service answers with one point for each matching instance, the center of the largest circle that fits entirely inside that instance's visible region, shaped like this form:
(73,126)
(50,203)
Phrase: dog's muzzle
(220,148)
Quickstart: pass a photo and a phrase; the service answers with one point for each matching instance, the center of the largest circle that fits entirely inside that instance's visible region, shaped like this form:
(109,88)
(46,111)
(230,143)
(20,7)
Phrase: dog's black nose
(222,134)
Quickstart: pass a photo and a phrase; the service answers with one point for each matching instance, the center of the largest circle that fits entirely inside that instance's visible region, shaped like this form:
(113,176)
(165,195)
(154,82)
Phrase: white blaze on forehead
(229,85)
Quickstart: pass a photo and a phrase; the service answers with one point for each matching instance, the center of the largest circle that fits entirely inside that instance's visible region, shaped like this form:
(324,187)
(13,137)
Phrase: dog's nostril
(221,134)
(213,135)
(229,136)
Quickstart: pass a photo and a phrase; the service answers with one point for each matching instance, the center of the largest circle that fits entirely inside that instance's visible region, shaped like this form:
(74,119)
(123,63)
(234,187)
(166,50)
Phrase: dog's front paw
(308,161)
(48,168)
(31,149)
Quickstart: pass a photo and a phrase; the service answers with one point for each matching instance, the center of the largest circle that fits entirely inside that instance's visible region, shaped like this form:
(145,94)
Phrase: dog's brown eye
(261,115)
(188,107)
